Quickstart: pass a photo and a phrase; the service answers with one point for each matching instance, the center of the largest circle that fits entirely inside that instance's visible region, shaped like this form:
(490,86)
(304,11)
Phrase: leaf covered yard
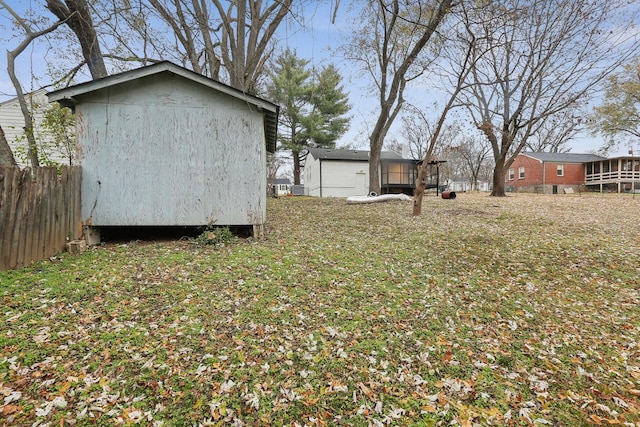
(517,311)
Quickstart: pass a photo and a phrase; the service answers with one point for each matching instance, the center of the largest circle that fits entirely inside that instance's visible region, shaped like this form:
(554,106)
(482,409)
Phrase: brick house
(548,173)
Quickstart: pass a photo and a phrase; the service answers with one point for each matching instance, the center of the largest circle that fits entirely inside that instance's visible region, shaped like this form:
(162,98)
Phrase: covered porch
(620,174)
(398,176)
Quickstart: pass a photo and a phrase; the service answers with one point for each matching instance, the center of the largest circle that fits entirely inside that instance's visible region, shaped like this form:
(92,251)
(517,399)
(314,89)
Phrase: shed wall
(337,178)
(344,179)
(165,151)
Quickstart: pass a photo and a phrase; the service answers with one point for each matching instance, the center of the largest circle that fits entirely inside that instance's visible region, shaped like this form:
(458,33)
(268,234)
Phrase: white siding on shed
(165,151)
(344,179)
(339,178)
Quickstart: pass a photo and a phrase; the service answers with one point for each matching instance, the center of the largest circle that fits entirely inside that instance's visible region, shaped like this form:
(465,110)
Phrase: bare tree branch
(30,36)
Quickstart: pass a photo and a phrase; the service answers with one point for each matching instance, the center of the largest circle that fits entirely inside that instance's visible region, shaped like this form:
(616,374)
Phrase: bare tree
(458,60)
(472,155)
(553,134)
(390,47)
(29,37)
(545,57)
(416,132)
(234,36)
(274,163)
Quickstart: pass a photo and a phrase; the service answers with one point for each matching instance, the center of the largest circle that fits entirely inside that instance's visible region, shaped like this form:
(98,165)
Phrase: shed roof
(564,157)
(66,96)
(349,155)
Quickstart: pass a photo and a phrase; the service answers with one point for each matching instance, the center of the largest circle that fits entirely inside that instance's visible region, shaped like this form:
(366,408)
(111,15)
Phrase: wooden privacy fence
(38,214)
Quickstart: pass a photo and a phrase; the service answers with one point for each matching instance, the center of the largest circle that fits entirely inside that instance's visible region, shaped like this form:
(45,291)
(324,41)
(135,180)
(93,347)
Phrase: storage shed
(164,146)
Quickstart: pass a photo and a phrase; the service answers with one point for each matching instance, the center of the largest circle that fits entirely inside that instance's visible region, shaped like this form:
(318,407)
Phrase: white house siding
(311,176)
(12,122)
(338,178)
(344,179)
(167,151)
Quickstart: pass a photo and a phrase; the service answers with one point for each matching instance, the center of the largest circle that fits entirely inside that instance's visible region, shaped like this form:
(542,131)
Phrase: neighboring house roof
(349,155)
(281,181)
(564,157)
(66,96)
(627,157)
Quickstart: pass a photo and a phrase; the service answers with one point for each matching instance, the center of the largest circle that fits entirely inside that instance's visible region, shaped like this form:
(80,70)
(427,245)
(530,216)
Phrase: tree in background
(273,165)
(329,105)
(31,33)
(58,124)
(619,114)
(220,36)
(471,158)
(556,131)
(289,85)
(419,133)
(313,106)
(416,132)
(391,47)
(545,56)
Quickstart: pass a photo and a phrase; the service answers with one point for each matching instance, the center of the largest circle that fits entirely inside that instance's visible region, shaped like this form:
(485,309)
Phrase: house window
(521,172)
(560,170)
(512,174)
(399,174)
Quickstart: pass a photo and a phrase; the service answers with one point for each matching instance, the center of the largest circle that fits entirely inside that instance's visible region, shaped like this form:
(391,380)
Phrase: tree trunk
(418,193)
(32,146)
(296,167)
(78,17)
(11,71)
(6,156)
(374,163)
(498,180)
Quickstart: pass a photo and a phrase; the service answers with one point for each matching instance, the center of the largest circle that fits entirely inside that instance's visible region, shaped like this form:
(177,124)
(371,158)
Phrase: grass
(483,311)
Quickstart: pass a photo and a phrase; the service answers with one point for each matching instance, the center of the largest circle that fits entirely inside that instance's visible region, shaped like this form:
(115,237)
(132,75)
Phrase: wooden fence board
(25,199)
(5,184)
(12,178)
(17,226)
(38,214)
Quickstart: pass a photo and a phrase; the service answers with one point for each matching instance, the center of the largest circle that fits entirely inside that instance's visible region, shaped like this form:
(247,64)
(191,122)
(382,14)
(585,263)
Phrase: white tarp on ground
(377,199)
